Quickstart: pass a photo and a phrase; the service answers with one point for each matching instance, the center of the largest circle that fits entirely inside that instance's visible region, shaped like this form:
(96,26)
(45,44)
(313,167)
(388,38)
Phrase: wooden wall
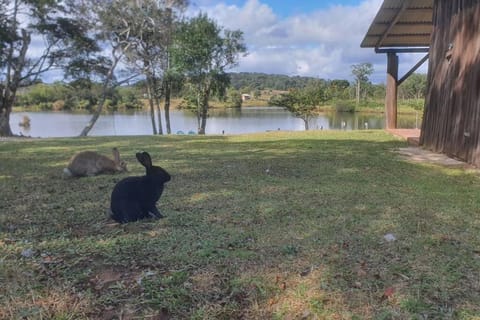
(451,122)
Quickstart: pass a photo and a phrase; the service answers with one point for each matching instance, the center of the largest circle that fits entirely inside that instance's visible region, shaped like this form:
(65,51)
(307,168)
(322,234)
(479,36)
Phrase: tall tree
(151,26)
(361,72)
(171,79)
(20,21)
(203,51)
(115,34)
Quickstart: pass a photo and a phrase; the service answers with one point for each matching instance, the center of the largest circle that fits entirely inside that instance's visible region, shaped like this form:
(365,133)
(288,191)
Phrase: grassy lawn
(269,226)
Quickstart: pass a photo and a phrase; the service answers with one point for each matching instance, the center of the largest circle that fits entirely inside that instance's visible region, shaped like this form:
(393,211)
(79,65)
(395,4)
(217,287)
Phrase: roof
(401,23)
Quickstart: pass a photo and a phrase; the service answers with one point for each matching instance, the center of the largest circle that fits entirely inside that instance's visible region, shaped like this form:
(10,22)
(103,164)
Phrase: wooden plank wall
(451,122)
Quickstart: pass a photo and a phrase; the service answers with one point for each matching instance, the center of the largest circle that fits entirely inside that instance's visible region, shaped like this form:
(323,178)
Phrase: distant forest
(263,81)
(414,87)
(83,94)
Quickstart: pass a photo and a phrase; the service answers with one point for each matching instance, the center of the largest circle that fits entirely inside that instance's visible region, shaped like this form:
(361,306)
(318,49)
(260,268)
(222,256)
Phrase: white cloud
(323,43)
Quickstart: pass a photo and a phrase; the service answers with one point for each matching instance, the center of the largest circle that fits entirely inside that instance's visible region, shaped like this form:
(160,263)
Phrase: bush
(108,104)
(234,99)
(281,100)
(84,104)
(345,106)
(44,106)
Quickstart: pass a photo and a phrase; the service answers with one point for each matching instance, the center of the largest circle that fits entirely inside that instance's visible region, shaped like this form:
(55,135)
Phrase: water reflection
(228,121)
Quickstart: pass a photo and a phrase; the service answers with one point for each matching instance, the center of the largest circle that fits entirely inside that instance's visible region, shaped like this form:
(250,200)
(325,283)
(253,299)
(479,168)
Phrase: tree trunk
(203,123)
(12,82)
(167,83)
(5,130)
(7,100)
(150,102)
(307,127)
(95,116)
(167,107)
(358,92)
(157,97)
(203,113)
(159,116)
(106,83)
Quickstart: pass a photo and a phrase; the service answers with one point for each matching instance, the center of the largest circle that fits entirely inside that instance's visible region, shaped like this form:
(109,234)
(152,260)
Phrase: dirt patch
(417,154)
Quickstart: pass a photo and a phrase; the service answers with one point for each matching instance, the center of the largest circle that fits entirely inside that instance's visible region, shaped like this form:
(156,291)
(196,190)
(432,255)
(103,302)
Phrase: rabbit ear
(144,159)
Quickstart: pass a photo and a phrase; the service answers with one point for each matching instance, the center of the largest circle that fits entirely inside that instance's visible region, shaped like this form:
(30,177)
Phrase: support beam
(391,94)
(414,68)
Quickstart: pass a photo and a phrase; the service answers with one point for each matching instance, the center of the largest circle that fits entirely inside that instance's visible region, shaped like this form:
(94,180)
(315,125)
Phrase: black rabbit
(134,198)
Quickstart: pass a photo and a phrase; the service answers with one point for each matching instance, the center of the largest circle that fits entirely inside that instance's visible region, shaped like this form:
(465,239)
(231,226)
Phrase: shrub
(45,106)
(345,106)
(84,104)
(234,99)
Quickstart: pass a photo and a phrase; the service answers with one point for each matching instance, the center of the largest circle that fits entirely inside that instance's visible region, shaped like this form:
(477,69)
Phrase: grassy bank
(268,226)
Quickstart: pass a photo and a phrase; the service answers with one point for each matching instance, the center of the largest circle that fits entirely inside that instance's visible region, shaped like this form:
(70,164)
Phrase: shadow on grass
(284,225)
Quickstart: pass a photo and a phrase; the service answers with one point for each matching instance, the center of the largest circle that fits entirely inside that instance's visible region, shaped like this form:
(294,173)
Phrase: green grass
(269,226)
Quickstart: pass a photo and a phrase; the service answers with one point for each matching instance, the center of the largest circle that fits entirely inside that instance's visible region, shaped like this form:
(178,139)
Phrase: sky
(316,38)
(306,38)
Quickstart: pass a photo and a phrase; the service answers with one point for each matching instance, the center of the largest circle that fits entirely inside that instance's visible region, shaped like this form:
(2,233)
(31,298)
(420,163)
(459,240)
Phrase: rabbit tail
(67,173)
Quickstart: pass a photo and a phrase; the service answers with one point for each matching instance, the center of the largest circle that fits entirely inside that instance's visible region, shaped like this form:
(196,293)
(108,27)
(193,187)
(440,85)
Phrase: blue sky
(307,38)
(287,7)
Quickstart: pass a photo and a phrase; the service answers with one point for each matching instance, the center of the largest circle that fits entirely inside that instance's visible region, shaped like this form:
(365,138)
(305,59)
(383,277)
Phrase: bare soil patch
(418,154)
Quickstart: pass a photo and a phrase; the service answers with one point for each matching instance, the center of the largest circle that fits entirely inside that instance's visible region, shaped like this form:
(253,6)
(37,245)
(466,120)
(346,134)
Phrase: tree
(303,103)
(234,98)
(414,87)
(172,81)
(338,89)
(150,24)
(64,39)
(105,20)
(361,72)
(203,51)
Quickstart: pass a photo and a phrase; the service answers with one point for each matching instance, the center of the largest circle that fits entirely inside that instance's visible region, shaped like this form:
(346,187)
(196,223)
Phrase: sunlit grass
(281,225)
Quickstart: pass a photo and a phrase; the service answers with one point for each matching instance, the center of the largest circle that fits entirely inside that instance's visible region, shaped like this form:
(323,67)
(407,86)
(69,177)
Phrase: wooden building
(449,30)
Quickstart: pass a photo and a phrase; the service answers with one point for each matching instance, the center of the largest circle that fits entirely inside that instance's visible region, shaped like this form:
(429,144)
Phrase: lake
(228,121)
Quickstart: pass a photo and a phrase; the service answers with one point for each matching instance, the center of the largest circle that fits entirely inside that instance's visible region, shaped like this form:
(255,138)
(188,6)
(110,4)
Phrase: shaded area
(279,225)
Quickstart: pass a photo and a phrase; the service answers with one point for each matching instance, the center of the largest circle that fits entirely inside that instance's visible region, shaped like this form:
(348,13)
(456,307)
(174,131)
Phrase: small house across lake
(246,96)
(449,34)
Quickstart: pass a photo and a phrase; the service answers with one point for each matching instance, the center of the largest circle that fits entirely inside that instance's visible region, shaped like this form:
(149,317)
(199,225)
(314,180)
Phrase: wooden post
(391,94)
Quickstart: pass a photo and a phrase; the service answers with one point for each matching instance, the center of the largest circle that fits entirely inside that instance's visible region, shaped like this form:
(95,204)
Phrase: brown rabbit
(91,163)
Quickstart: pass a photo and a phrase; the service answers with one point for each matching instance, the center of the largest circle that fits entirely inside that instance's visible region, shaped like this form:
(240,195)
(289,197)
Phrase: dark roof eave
(397,25)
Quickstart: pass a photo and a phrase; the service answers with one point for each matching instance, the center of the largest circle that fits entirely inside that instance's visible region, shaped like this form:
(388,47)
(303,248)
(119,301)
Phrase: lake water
(229,121)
